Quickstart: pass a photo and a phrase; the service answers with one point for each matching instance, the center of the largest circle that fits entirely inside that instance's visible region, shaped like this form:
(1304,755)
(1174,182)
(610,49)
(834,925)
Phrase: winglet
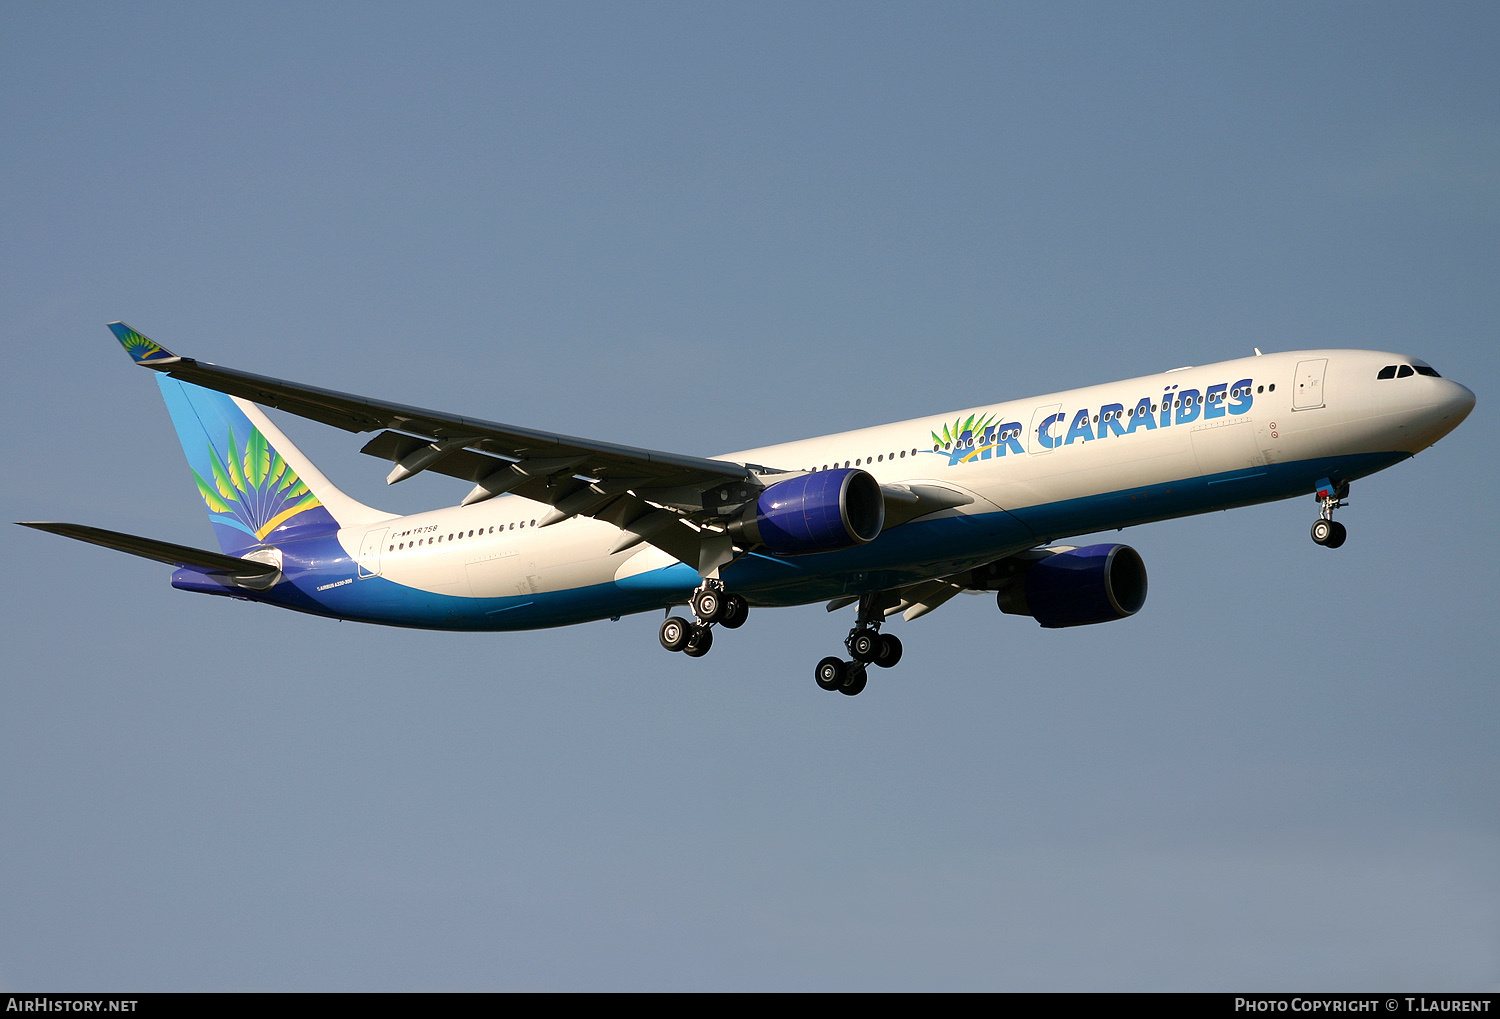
(141,349)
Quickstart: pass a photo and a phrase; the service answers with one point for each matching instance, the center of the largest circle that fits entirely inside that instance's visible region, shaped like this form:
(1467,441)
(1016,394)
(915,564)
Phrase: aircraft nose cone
(1460,399)
(1440,406)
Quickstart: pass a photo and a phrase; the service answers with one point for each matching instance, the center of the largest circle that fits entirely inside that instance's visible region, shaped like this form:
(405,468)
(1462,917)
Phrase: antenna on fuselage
(1257,352)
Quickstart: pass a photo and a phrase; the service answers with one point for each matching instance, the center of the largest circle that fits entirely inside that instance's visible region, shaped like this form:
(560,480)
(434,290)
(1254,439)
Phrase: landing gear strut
(1325,530)
(711,604)
(866,645)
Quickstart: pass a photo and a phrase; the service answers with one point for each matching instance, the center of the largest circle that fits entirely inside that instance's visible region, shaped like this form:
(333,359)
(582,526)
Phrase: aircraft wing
(676,502)
(647,493)
(362,414)
(916,600)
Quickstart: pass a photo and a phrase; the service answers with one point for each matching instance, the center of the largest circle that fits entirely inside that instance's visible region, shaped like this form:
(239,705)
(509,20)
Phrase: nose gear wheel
(1325,530)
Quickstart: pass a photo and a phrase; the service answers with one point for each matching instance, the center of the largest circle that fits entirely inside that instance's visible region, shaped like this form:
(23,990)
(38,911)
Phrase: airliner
(893,519)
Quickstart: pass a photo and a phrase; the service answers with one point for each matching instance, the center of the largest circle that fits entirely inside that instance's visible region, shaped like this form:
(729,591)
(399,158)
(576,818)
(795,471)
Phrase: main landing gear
(867,646)
(1325,530)
(711,604)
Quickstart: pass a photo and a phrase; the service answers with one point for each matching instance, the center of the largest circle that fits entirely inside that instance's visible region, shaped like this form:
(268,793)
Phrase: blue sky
(702,228)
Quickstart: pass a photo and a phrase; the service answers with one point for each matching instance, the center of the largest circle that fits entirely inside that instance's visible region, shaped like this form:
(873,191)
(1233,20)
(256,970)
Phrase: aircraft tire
(830,673)
(736,611)
(1338,537)
(708,606)
(890,650)
(675,633)
(1322,531)
(855,678)
(700,642)
(864,646)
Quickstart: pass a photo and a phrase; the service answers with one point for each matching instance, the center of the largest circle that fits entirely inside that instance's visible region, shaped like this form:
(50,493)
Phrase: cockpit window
(1388,372)
(1422,369)
(1405,371)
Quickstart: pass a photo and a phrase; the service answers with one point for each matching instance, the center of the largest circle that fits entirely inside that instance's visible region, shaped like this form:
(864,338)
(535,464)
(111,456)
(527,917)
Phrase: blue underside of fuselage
(915,551)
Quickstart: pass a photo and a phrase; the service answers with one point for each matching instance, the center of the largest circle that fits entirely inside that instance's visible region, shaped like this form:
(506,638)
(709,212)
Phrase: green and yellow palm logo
(256,491)
(967,438)
(140,348)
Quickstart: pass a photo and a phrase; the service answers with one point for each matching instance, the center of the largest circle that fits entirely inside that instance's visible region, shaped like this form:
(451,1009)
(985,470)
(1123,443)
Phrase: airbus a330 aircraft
(892,519)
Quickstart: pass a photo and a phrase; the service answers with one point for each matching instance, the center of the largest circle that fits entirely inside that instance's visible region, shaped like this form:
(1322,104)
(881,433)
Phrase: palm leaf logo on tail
(254,491)
(140,348)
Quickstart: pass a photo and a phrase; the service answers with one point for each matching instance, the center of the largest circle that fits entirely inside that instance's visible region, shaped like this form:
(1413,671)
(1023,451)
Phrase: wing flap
(464,464)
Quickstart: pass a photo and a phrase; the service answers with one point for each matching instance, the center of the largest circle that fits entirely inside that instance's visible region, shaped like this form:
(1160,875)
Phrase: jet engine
(819,512)
(1075,586)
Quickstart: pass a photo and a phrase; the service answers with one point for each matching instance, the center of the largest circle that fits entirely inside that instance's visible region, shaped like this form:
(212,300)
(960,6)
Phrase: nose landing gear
(1325,530)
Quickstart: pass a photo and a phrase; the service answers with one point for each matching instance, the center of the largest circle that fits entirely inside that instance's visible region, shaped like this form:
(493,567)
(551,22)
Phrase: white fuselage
(1058,464)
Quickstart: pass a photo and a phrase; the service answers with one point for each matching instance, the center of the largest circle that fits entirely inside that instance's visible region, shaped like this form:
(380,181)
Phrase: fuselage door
(1047,430)
(369,553)
(1309,392)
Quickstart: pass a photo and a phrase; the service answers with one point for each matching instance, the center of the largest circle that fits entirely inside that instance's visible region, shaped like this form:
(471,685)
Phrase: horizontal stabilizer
(161,551)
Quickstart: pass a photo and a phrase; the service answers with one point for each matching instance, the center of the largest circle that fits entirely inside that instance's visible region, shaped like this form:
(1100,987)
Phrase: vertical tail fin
(259,488)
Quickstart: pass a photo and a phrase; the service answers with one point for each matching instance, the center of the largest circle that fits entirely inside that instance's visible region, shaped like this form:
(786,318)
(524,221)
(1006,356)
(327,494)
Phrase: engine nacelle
(1079,586)
(819,512)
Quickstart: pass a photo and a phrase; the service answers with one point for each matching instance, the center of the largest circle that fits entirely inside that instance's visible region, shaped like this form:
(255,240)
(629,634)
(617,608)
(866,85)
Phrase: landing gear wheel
(736,611)
(701,640)
(890,651)
(864,646)
(854,679)
(830,673)
(675,633)
(1331,495)
(708,605)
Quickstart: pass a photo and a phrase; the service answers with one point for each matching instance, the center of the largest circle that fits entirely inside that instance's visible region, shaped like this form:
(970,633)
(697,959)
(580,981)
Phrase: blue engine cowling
(820,512)
(1093,584)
